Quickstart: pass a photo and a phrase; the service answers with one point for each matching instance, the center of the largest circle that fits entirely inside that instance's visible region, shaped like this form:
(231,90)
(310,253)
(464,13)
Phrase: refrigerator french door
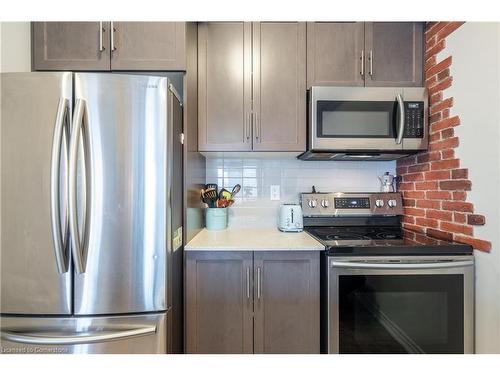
(86,219)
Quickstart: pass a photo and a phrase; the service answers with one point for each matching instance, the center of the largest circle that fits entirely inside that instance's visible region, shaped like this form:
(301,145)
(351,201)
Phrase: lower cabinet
(252,302)
(219,303)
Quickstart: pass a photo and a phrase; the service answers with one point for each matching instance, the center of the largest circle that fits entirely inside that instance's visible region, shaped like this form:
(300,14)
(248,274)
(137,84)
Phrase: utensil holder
(216,218)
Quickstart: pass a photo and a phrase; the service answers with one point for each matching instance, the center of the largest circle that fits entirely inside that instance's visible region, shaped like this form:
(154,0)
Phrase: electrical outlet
(275,192)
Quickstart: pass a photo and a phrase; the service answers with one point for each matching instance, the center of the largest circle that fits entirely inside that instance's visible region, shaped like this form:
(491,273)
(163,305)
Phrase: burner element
(355,233)
(350,236)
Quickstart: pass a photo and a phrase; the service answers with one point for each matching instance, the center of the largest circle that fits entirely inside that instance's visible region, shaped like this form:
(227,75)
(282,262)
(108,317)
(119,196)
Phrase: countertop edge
(212,245)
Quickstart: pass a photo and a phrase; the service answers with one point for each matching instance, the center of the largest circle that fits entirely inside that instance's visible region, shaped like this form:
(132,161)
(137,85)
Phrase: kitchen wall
(15,47)
(452,191)
(254,206)
(475,48)
(435,183)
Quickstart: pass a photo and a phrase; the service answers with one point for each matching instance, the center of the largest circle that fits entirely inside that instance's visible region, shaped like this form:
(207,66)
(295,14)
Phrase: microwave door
(344,119)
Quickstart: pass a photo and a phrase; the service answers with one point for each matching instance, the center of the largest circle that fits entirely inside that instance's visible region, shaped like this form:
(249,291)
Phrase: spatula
(236,190)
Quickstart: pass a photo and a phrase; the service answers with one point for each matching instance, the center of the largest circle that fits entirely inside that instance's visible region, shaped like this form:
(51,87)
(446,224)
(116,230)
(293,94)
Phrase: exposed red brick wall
(434,184)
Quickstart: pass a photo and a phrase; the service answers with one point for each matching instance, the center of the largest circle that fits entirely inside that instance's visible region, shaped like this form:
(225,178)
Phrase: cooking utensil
(224,194)
(236,190)
(221,203)
(211,196)
(205,200)
(212,186)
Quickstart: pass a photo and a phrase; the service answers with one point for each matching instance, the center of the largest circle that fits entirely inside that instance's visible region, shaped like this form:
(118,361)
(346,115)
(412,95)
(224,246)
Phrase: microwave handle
(401,118)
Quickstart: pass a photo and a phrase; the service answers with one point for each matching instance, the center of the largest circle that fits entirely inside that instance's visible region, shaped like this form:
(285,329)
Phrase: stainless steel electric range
(386,289)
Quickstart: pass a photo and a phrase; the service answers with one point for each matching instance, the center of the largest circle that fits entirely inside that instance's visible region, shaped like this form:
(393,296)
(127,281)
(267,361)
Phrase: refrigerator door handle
(36,338)
(61,247)
(79,127)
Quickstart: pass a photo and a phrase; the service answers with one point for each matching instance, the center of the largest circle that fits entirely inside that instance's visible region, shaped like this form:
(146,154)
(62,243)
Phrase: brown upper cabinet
(365,53)
(148,46)
(70,45)
(395,53)
(252,86)
(108,46)
(334,53)
(279,86)
(224,86)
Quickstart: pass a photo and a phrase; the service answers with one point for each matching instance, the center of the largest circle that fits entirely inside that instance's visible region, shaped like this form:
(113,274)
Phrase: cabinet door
(149,46)
(70,45)
(335,53)
(279,86)
(219,302)
(224,86)
(286,295)
(395,53)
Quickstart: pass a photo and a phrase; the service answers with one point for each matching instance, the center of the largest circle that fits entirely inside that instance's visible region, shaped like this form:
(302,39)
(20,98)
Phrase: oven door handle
(401,266)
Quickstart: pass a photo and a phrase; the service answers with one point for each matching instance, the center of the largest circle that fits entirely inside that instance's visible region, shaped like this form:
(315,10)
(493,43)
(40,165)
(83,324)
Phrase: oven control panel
(351,204)
(343,203)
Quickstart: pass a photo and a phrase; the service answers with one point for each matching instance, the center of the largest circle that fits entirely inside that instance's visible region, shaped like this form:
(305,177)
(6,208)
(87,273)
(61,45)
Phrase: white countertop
(252,239)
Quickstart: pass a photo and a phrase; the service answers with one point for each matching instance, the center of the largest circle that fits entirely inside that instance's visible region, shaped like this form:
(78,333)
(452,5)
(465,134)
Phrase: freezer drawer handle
(91,338)
(79,127)
(59,229)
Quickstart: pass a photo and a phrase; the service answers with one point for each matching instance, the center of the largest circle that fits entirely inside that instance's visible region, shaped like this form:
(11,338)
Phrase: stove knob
(325,203)
(392,203)
(312,203)
(379,203)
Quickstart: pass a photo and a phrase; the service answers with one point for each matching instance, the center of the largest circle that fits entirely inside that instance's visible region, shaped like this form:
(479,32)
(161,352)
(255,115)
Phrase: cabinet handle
(101,44)
(370,58)
(247,126)
(256,126)
(259,125)
(258,283)
(362,71)
(113,48)
(248,282)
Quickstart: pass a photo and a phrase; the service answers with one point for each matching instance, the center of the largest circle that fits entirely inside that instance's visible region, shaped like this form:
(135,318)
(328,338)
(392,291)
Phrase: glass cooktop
(382,240)
(355,233)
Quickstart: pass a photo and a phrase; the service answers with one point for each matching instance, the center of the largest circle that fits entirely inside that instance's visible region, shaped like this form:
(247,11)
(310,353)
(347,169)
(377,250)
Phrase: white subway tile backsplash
(253,204)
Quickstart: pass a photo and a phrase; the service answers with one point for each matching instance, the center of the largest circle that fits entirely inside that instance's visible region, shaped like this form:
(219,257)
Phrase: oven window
(344,119)
(401,314)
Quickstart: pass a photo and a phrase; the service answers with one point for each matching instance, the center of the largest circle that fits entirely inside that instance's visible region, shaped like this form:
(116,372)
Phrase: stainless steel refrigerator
(88,222)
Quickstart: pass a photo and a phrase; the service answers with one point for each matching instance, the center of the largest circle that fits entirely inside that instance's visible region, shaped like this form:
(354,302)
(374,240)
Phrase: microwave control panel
(414,120)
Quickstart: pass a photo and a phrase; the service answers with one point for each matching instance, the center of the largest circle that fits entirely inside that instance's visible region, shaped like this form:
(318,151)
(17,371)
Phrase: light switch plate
(275,192)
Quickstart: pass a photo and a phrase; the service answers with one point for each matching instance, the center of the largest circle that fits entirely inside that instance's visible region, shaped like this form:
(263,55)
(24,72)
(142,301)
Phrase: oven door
(403,305)
(349,118)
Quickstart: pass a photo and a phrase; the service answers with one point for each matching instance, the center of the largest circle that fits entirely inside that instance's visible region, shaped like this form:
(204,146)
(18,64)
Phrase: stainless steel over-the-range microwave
(366,123)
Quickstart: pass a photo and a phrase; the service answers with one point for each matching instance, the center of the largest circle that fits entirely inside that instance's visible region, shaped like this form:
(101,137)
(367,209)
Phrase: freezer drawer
(132,334)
